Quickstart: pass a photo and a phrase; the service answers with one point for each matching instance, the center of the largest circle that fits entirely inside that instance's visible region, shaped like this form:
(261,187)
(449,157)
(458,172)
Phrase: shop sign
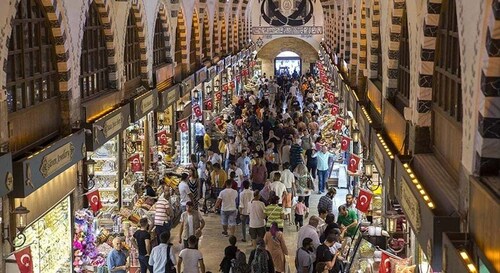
(234,60)
(188,84)
(168,97)
(220,66)
(144,104)
(106,127)
(379,159)
(364,130)
(227,61)
(211,72)
(201,75)
(410,205)
(163,74)
(34,171)
(6,178)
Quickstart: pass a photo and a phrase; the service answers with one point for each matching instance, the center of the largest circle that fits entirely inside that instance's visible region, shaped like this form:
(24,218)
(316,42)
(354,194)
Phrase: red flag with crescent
(135,163)
(197,110)
(208,104)
(162,137)
(232,85)
(385,264)
(225,87)
(238,78)
(335,109)
(353,163)
(364,200)
(24,260)
(94,199)
(218,96)
(344,144)
(338,123)
(183,125)
(330,97)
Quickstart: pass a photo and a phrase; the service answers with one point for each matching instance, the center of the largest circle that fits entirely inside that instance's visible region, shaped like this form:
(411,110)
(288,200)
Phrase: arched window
(380,67)
(447,88)
(206,38)
(159,43)
(132,49)
(31,62)
(94,74)
(403,90)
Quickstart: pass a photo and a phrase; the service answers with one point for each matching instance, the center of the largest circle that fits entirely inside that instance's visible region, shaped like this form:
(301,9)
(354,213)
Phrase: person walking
(190,258)
(323,166)
(162,257)
(192,223)
(326,201)
(296,155)
(246,197)
(300,212)
(260,259)
(117,260)
(278,187)
(142,242)
(257,222)
(274,213)
(288,178)
(227,202)
(259,174)
(185,191)
(275,244)
(303,183)
(163,213)
(218,177)
(309,231)
(305,257)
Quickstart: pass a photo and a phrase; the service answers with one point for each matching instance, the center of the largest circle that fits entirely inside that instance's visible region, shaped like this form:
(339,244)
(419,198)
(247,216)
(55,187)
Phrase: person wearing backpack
(162,257)
(260,260)
(305,257)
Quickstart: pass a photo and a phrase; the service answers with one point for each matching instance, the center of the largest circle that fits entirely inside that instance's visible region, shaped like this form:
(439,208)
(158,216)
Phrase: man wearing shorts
(227,203)
(257,225)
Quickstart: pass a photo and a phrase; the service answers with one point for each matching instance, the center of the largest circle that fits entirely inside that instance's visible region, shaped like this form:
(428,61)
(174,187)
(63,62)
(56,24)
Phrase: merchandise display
(84,242)
(106,172)
(50,240)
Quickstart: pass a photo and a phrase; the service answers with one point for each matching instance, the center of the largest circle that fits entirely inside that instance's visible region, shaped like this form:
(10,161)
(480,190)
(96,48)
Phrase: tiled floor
(212,243)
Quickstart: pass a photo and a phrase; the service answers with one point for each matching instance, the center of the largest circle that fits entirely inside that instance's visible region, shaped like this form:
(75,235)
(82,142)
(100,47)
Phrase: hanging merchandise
(197,111)
(183,125)
(85,253)
(208,104)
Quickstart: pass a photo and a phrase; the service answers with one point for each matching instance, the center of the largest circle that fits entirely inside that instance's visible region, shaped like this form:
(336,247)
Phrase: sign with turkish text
(144,104)
(410,205)
(57,159)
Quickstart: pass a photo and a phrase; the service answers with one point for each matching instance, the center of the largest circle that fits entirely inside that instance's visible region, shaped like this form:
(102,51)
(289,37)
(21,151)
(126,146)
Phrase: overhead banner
(302,30)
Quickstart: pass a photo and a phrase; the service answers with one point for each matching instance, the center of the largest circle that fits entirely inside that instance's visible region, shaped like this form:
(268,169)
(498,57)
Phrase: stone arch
(163,14)
(140,18)
(195,33)
(206,37)
(223,35)
(487,149)
(104,10)
(181,51)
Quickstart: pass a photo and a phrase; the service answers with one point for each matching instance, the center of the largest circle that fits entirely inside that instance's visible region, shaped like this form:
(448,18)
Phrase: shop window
(94,74)
(31,62)
(403,90)
(132,49)
(159,43)
(447,88)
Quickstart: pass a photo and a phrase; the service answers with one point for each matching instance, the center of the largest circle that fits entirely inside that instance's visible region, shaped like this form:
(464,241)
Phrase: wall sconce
(368,165)
(391,221)
(161,118)
(217,83)
(133,136)
(355,135)
(180,106)
(20,213)
(196,94)
(347,121)
(90,165)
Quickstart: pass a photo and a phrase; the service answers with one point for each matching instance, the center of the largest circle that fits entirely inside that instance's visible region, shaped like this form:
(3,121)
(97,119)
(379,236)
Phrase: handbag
(169,267)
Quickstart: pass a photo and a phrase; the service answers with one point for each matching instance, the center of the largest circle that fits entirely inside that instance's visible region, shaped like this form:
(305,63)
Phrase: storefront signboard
(187,85)
(6,177)
(234,60)
(227,61)
(220,66)
(410,205)
(212,71)
(106,127)
(144,104)
(168,97)
(379,160)
(351,98)
(163,75)
(201,76)
(36,170)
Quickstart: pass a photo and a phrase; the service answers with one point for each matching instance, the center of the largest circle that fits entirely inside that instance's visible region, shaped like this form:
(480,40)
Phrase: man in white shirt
(278,187)
(245,198)
(243,162)
(159,254)
(227,203)
(257,223)
(184,191)
(214,157)
(191,258)
(237,171)
(309,231)
(288,178)
(199,130)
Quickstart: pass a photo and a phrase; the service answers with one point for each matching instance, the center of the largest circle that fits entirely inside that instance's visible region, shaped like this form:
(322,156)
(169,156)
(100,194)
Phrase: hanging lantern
(355,135)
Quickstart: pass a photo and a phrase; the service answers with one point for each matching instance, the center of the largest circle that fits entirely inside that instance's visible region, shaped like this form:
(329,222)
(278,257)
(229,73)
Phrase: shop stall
(208,93)
(165,125)
(185,122)
(217,86)
(49,179)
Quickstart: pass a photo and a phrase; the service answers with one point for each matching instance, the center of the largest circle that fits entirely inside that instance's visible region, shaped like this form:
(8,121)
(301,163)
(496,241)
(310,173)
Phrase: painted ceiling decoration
(286,12)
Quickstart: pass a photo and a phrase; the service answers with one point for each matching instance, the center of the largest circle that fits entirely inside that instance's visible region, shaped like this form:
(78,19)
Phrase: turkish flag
(353,163)
(197,110)
(232,85)
(24,260)
(135,163)
(238,78)
(225,87)
(344,144)
(218,96)
(94,199)
(338,123)
(335,110)
(208,104)
(330,97)
(364,200)
(385,264)
(183,125)
(162,137)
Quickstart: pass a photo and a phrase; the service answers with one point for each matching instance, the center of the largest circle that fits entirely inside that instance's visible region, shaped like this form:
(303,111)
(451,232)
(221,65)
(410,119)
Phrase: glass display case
(184,147)
(106,176)
(362,260)
(50,240)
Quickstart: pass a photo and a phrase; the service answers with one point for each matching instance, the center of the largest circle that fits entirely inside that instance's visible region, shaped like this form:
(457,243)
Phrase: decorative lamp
(368,164)
(355,135)
(21,214)
(134,135)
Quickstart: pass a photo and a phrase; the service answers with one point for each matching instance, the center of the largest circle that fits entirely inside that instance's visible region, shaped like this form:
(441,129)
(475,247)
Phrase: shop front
(49,178)
(427,217)
(185,121)
(208,93)
(383,161)
(165,126)
(217,86)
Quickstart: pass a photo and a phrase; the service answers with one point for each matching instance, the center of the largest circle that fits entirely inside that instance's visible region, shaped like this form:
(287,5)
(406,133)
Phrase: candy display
(84,242)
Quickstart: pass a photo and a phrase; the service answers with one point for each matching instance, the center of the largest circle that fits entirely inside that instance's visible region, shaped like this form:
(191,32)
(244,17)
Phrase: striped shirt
(295,155)
(274,213)
(162,206)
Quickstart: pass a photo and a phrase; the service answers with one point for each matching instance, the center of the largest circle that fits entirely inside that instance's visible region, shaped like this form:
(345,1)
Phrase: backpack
(170,267)
(239,265)
(259,263)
